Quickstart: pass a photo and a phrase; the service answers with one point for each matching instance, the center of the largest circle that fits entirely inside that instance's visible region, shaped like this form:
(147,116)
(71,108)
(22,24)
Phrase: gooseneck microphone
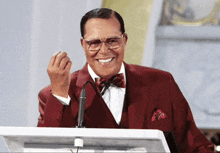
(82,102)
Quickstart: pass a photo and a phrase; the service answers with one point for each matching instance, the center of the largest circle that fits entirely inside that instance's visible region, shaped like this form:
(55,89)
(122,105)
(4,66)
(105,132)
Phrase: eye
(94,42)
(112,40)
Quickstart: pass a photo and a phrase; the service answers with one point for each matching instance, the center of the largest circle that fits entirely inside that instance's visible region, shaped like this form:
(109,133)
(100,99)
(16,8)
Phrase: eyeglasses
(111,43)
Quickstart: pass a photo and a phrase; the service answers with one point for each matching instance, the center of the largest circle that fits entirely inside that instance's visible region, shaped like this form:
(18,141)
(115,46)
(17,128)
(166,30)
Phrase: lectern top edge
(84,132)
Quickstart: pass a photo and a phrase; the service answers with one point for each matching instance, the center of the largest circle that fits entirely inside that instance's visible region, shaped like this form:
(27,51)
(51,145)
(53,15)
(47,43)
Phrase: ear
(125,38)
(83,44)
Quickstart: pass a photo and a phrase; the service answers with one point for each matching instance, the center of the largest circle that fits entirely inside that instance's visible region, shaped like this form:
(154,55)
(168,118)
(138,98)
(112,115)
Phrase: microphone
(82,102)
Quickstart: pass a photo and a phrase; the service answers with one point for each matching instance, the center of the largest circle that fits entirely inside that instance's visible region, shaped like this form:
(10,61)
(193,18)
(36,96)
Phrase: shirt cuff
(64,101)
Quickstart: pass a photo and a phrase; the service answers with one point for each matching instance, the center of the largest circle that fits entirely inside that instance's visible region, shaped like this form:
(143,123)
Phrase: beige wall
(136,15)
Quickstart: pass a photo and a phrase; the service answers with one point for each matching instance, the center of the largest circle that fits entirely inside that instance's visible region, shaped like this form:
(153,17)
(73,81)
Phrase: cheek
(90,56)
(120,54)
(116,52)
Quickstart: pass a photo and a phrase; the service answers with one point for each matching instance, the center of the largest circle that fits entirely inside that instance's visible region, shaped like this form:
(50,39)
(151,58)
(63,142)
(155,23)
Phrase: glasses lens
(94,44)
(113,42)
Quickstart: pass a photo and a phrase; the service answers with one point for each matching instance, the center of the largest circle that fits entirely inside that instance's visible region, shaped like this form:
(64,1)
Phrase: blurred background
(179,36)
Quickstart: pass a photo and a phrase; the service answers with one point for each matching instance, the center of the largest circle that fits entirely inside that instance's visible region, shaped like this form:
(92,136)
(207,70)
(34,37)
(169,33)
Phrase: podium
(83,140)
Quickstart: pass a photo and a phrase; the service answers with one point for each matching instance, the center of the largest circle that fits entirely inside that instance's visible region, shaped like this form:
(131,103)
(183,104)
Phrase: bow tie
(117,80)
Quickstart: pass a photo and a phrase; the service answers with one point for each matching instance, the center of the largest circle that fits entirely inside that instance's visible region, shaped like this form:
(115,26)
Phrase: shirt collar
(93,75)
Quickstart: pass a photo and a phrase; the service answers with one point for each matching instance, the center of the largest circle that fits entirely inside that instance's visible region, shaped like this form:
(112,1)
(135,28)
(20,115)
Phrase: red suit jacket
(154,102)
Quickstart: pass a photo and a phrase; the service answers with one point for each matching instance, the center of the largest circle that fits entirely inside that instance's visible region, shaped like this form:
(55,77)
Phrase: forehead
(102,28)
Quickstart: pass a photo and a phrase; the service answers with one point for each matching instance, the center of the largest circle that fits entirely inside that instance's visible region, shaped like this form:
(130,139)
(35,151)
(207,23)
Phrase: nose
(103,49)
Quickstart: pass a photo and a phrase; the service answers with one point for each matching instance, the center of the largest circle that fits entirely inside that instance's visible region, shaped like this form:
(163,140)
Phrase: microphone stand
(82,101)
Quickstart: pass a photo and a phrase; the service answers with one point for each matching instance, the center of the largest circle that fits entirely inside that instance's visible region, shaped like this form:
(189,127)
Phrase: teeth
(105,61)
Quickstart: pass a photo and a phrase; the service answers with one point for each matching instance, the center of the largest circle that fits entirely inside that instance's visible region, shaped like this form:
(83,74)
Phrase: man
(146,99)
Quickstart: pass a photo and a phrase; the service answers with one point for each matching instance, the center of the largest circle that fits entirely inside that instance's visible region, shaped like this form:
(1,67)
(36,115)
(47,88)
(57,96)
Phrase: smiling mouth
(106,61)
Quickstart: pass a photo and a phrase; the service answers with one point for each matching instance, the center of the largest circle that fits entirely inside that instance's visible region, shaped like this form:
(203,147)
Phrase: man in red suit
(146,99)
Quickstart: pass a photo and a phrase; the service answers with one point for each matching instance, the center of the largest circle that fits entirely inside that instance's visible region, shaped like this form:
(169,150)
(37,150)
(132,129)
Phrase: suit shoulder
(147,71)
(74,75)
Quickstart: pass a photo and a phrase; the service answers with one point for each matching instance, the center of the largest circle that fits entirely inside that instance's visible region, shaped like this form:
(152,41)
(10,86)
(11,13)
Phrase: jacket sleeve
(190,139)
(52,112)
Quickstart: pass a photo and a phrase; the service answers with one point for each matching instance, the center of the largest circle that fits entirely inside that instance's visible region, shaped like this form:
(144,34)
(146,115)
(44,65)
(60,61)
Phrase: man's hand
(59,73)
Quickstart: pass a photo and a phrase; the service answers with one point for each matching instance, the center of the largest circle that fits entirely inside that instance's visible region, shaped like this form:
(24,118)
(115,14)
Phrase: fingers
(64,62)
(53,58)
(68,66)
(60,60)
(59,57)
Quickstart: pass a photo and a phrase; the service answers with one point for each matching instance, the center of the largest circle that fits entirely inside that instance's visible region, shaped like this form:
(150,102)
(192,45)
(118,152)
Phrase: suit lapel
(136,97)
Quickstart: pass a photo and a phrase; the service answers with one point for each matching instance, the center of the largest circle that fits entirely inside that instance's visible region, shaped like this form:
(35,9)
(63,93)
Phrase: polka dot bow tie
(103,84)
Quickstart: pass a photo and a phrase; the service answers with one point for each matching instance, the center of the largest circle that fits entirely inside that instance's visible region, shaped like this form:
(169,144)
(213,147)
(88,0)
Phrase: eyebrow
(101,39)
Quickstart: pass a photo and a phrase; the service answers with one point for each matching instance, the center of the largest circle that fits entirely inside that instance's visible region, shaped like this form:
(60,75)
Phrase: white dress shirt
(113,96)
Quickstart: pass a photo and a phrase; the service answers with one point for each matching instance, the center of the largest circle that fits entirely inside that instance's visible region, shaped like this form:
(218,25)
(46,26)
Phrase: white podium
(34,139)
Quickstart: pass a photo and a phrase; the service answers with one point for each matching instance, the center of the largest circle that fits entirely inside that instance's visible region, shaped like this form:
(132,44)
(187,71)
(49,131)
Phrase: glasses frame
(101,40)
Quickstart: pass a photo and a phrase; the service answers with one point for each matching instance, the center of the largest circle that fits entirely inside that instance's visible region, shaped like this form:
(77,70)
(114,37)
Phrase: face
(105,62)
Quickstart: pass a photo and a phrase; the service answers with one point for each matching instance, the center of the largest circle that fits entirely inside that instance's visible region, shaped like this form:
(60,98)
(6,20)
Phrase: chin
(105,75)
(108,75)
